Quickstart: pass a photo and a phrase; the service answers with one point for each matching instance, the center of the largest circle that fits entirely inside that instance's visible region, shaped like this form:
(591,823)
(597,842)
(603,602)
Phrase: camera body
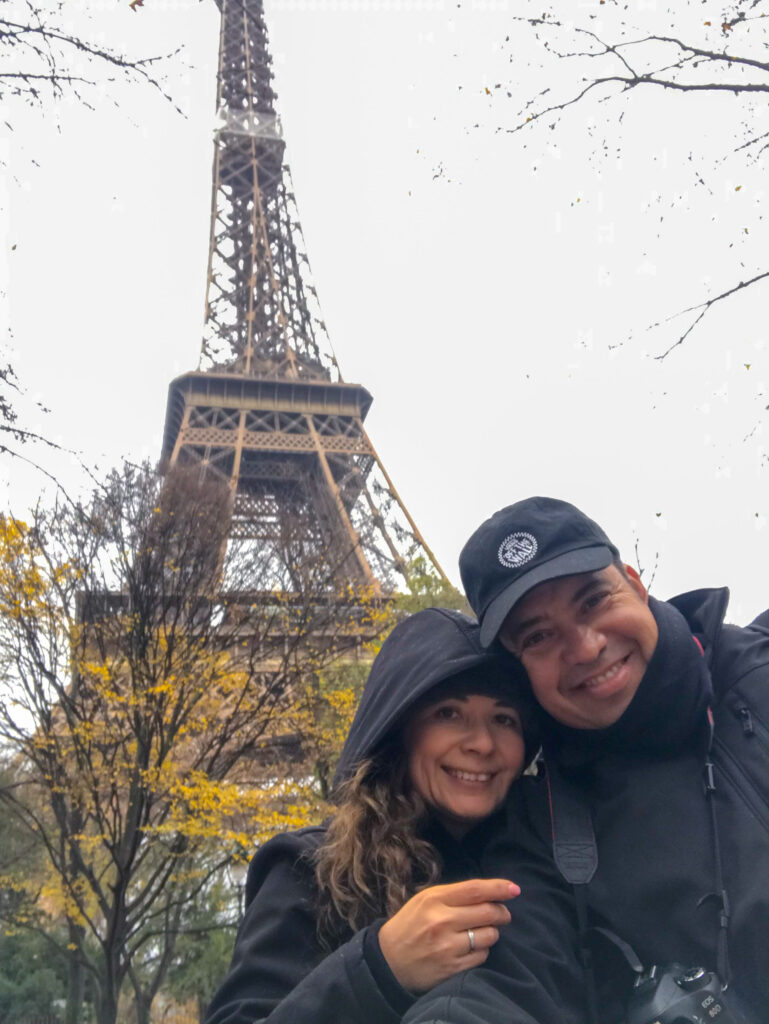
(673,994)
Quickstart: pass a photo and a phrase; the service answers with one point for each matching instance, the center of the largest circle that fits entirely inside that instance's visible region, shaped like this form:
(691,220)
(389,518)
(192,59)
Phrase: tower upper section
(261,315)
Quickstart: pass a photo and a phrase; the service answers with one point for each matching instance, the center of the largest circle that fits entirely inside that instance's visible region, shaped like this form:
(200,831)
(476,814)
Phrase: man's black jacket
(644,781)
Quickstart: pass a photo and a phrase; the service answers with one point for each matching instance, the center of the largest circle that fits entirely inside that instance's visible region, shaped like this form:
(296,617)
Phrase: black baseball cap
(523,545)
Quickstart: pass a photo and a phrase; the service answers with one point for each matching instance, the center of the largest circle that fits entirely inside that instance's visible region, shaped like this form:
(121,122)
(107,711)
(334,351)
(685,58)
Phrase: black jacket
(644,782)
(280,973)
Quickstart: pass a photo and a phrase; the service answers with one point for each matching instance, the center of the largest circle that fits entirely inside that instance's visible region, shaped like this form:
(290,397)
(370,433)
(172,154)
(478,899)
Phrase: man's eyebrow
(591,584)
(594,581)
(521,627)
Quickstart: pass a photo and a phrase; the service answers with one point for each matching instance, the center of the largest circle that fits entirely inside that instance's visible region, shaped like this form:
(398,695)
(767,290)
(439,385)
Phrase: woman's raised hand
(445,929)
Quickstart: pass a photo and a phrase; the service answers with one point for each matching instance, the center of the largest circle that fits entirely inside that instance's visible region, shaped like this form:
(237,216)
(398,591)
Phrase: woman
(344,922)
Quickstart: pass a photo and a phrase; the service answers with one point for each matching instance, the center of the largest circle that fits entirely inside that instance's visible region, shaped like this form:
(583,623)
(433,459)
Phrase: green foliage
(32,977)
(203,949)
(427,590)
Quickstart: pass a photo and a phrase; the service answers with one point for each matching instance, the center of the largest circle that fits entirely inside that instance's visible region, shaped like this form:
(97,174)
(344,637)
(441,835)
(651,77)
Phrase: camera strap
(574,846)
(575,852)
(576,856)
(723,966)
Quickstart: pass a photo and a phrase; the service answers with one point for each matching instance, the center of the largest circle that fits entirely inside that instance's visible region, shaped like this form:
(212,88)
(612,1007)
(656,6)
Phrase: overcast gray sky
(483,286)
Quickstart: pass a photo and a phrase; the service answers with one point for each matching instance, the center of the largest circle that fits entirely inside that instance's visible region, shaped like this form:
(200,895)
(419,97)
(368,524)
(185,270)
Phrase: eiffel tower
(268,409)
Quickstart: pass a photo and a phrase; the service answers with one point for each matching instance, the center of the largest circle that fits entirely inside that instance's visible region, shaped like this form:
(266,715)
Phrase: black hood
(424,650)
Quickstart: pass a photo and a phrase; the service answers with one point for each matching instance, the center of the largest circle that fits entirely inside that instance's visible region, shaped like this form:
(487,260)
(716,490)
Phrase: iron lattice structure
(268,408)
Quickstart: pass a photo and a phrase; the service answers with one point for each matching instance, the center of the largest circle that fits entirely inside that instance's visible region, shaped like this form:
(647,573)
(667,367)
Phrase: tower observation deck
(268,409)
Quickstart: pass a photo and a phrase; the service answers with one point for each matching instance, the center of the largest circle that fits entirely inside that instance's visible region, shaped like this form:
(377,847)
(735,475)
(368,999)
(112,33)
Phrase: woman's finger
(482,938)
(482,914)
(476,890)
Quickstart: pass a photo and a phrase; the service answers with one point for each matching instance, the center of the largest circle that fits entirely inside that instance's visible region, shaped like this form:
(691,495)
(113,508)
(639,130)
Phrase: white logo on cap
(517,550)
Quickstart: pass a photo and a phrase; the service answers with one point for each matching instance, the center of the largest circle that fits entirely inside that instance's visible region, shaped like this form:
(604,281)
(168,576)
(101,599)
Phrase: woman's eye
(445,713)
(509,721)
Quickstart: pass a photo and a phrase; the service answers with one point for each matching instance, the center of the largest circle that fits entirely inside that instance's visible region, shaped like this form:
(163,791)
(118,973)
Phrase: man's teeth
(604,677)
(469,776)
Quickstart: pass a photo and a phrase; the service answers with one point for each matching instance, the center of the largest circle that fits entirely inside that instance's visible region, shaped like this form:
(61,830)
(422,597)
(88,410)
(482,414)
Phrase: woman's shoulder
(300,841)
(289,853)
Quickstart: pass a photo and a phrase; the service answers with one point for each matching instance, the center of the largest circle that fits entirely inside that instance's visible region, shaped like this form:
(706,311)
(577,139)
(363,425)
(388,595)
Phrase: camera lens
(692,978)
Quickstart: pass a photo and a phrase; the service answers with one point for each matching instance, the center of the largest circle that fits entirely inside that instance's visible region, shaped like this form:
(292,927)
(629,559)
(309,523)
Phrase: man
(657,728)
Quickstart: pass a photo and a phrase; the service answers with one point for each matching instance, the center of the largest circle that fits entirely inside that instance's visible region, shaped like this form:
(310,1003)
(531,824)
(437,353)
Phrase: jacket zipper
(752,724)
(742,783)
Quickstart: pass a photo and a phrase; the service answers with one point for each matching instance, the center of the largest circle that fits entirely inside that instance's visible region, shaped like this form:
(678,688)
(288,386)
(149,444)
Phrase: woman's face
(463,753)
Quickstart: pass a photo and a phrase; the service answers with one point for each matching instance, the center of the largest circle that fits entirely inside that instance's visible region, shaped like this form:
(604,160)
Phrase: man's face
(585,642)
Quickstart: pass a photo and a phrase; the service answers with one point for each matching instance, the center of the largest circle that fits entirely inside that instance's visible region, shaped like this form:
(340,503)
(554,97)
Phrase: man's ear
(635,582)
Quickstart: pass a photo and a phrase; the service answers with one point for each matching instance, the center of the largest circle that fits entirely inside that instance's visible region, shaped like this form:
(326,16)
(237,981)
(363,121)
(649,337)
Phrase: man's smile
(606,682)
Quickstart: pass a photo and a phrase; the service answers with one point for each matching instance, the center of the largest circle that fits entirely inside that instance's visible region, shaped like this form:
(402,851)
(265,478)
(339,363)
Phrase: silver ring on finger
(471,940)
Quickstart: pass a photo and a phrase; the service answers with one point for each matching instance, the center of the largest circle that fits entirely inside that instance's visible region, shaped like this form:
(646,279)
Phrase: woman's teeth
(469,776)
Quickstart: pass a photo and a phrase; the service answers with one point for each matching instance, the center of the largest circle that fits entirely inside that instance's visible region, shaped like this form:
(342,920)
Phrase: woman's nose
(478,738)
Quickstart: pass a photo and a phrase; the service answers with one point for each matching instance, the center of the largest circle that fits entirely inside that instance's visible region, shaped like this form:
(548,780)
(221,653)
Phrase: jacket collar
(704,611)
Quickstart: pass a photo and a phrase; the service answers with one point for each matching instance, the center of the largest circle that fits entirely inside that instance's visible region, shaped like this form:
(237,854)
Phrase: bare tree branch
(632,58)
(704,308)
(38,56)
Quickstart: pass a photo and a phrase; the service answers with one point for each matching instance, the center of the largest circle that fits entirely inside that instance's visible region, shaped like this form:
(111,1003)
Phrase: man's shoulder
(736,654)
(761,622)
(741,657)
(704,611)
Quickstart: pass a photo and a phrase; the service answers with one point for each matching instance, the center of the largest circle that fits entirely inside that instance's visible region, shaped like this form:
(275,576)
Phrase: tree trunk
(142,1007)
(73,1010)
(107,1001)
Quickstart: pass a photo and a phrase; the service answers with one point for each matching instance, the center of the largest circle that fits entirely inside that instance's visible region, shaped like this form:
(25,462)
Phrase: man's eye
(593,600)
(533,640)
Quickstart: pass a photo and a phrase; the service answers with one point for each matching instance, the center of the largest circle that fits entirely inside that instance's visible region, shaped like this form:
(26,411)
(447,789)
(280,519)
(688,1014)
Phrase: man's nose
(584,644)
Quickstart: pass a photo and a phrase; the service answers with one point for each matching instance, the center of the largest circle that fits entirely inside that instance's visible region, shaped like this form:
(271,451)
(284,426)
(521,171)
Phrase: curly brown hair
(373,859)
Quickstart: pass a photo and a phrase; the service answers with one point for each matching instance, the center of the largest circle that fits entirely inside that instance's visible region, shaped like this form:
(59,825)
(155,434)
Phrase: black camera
(678,995)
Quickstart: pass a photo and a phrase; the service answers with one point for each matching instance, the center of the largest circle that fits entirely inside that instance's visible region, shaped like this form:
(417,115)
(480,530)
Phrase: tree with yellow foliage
(165,706)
